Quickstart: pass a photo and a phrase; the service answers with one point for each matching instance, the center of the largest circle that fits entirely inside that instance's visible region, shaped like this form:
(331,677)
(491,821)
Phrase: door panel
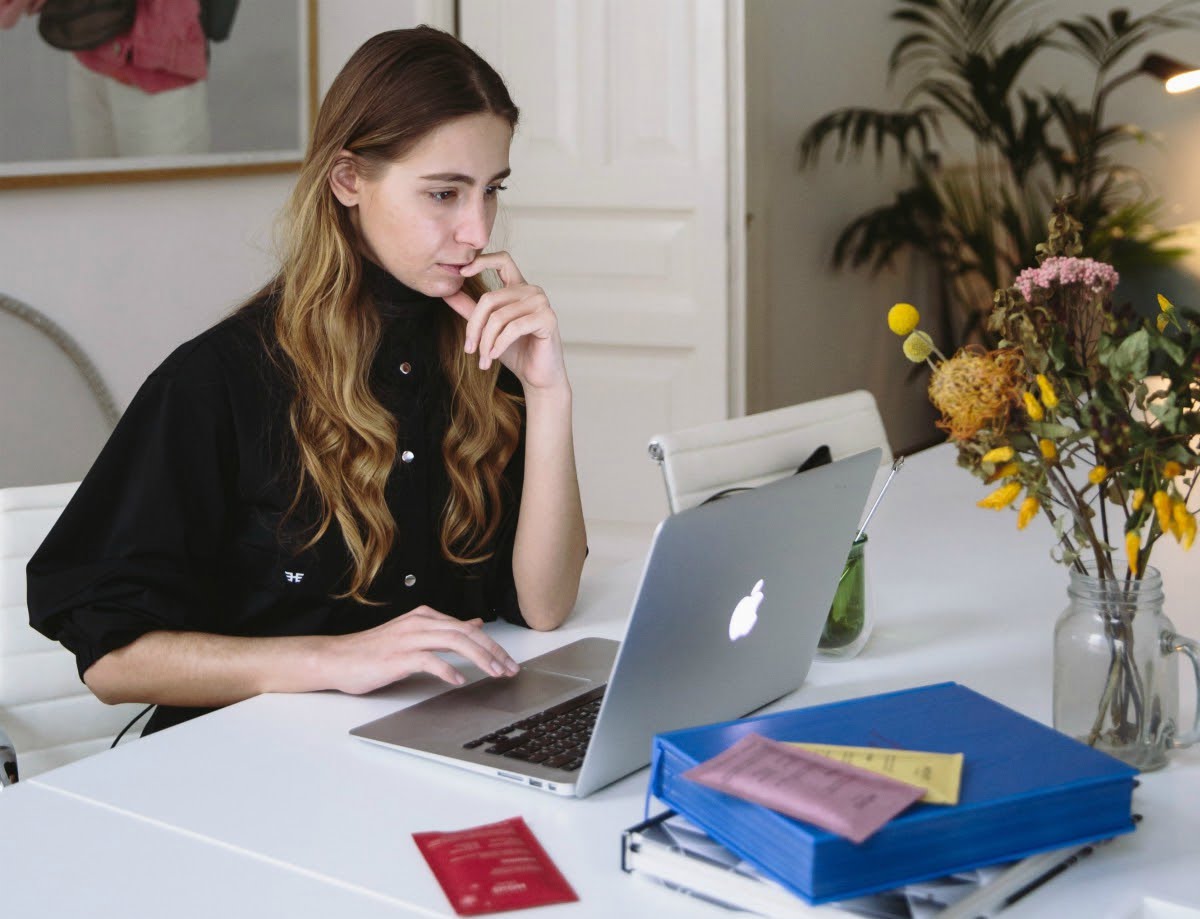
(617,207)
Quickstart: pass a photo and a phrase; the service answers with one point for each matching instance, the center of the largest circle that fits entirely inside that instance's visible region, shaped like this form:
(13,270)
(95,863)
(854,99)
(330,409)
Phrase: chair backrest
(56,412)
(51,717)
(755,449)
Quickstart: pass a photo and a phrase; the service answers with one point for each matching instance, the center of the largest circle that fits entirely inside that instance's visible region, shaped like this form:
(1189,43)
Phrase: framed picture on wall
(234,93)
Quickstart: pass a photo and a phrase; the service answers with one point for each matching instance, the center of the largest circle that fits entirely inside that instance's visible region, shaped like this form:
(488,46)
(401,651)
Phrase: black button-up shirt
(180,524)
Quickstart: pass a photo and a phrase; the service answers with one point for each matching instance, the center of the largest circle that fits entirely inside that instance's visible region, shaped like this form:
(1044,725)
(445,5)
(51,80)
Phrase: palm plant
(979,217)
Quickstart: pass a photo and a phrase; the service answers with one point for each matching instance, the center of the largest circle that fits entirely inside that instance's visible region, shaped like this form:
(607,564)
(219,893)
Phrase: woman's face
(431,212)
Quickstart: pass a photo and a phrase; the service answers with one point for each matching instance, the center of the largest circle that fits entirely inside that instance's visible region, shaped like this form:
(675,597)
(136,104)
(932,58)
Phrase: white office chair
(753,450)
(50,717)
(56,412)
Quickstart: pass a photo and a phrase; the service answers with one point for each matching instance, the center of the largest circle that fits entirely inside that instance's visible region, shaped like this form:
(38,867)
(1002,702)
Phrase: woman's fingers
(413,643)
(428,662)
(489,304)
(428,626)
(483,653)
(506,324)
(527,325)
(501,262)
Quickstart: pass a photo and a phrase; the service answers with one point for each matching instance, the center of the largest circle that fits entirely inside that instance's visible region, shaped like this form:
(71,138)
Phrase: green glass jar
(848,625)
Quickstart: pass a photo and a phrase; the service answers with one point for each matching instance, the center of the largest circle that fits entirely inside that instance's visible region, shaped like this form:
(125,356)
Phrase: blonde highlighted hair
(392,92)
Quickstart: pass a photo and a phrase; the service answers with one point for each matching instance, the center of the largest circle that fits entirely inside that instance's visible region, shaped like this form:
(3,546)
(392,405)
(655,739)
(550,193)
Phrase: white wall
(813,332)
(133,270)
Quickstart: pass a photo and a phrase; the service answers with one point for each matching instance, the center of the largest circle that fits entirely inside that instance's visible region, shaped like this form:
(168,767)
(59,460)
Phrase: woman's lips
(453,269)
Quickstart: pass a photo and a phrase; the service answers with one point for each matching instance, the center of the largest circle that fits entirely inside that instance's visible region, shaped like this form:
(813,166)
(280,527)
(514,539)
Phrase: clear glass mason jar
(851,615)
(1116,680)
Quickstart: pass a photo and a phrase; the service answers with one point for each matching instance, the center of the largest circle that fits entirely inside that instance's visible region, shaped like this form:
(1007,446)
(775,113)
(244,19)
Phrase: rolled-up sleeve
(134,551)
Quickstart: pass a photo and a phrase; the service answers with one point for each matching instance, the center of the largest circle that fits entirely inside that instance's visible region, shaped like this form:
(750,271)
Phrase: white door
(618,208)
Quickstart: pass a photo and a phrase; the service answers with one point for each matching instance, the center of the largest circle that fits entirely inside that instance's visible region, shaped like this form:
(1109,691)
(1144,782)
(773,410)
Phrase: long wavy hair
(395,89)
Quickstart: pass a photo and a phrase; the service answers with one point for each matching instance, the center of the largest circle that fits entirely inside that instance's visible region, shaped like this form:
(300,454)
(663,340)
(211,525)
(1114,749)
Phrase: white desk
(276,785)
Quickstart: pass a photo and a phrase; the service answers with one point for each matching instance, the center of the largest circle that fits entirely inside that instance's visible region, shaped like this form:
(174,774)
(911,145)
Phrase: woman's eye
(442,195)
(491,190)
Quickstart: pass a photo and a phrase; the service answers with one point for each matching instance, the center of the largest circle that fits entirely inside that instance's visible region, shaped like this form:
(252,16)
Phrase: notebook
(1026,788)
(728,611)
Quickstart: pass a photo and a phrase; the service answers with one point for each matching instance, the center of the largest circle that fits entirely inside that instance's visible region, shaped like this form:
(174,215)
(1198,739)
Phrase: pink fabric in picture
(165,49)
(835,796)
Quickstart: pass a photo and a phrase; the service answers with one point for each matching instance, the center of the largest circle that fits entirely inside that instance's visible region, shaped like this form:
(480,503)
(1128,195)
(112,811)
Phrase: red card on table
(493,868)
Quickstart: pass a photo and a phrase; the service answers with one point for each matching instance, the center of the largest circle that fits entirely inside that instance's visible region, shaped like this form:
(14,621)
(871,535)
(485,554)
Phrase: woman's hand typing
(363,661)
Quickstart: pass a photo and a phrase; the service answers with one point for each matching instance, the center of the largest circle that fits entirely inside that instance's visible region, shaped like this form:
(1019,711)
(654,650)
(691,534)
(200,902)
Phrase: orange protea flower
(974,389)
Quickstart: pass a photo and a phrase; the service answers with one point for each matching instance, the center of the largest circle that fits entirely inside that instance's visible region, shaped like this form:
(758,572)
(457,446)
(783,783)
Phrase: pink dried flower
(1097,277)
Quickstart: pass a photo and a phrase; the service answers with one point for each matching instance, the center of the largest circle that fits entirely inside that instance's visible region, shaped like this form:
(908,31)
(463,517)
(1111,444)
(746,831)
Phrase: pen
(989,901)
(896,464)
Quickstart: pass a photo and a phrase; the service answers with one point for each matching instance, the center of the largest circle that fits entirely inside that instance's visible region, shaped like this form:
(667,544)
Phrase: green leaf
(1166,411)
(1132,357)
(1173,349)
(1050,429)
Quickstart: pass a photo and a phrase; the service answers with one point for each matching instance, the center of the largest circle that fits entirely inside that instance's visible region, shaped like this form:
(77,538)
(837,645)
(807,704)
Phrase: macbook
(730,606)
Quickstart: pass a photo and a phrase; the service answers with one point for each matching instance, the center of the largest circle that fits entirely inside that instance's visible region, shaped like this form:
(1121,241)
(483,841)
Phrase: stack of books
(1026,789)
(671,851)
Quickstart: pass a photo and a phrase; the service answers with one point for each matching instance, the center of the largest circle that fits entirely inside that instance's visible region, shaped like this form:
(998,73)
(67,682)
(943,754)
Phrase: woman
(367,460)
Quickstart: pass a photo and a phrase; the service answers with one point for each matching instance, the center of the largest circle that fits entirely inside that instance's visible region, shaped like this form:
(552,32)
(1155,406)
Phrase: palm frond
(853,130)
(978,220)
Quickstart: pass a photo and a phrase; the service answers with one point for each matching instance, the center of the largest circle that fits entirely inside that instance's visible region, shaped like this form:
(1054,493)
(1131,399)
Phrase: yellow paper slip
(940,774)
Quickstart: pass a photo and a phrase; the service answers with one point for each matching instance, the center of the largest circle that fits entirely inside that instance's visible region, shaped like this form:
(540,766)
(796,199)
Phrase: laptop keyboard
(557,737)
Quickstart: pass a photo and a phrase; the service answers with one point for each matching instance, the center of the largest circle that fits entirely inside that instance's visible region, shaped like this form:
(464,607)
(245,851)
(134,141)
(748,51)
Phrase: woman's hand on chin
(514,325)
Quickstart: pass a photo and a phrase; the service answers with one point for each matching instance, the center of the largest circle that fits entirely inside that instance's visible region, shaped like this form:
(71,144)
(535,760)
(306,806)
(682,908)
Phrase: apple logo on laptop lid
(745,614)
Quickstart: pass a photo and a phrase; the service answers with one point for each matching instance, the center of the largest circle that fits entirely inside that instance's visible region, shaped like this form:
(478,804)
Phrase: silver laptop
(731,602)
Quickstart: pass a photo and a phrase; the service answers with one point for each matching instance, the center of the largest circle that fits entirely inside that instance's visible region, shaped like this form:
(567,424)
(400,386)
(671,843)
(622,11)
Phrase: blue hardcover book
(1025,788)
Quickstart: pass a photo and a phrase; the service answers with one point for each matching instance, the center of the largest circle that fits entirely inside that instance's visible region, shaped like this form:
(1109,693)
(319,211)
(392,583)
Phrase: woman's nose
(474,225)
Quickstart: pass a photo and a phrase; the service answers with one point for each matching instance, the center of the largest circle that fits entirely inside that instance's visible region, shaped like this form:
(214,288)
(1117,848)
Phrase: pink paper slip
(843,799)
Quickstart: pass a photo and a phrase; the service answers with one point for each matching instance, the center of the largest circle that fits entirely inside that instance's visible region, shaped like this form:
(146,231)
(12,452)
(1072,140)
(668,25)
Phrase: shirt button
(410,580)
(406,368)
(407,456)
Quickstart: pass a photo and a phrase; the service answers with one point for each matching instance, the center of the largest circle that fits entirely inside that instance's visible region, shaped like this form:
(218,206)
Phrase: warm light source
(1176,77)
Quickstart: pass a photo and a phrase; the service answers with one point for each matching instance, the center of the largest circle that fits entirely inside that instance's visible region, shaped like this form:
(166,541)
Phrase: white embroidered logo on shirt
(294,577)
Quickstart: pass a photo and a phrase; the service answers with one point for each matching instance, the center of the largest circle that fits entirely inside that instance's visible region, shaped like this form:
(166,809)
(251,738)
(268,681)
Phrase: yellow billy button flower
(1002,497)
(998,455)
(917,347)
(903,318)
(1162,508)
(1171,469)
(1049,451)
(1027,511)
(1098,475)
(1049,399)
(1133,545)
(1139,498)
(1033,408)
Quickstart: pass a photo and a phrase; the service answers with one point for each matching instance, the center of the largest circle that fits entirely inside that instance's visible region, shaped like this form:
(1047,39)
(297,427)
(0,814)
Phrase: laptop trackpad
(528,689)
